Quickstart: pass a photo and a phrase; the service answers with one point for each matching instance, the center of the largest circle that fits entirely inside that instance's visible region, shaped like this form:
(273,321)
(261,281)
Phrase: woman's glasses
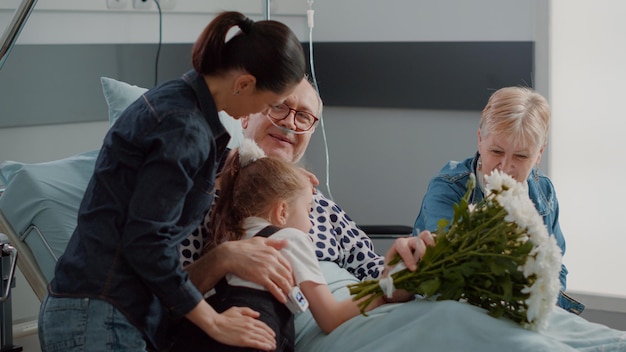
(304,121)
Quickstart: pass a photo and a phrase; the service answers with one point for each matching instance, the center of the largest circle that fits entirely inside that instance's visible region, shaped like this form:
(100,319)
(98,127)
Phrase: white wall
(90,21)
(587,75)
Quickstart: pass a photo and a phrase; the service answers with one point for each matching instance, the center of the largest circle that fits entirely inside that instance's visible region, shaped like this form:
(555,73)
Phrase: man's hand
(411,249)
(311,176)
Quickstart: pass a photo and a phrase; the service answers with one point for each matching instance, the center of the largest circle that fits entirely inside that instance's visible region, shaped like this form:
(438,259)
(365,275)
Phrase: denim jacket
(153,181)
(450,185)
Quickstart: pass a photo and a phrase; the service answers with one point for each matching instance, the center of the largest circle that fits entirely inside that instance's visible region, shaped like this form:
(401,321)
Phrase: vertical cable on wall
(158,53)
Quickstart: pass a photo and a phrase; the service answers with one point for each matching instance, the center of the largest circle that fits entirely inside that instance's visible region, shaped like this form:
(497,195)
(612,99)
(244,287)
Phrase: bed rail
(27,263)
(13,30)
(8,259)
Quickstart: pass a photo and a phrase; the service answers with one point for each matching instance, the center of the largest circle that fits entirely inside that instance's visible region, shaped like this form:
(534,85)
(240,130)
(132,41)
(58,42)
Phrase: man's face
(276,142)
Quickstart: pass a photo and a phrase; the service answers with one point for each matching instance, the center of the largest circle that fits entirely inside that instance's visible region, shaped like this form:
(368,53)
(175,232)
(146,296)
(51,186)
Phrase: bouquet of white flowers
(496,254)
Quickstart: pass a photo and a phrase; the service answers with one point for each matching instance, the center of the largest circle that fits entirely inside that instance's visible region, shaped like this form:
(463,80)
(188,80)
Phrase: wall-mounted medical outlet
(117,4)
(142,4)
(167,4)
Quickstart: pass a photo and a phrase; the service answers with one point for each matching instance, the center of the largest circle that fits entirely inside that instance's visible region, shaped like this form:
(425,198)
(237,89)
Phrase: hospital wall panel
(64,79)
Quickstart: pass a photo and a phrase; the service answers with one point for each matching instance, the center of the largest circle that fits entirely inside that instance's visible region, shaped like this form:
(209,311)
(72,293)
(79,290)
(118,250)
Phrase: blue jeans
(85,324)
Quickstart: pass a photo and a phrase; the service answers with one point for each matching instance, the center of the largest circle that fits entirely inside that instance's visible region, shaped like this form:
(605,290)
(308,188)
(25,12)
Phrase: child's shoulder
(293,235)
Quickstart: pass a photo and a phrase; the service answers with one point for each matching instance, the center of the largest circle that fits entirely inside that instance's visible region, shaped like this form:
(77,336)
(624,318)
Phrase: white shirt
(299,252)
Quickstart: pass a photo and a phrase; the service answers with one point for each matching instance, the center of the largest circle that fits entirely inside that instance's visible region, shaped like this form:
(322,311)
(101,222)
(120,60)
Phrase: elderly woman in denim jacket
(512,136)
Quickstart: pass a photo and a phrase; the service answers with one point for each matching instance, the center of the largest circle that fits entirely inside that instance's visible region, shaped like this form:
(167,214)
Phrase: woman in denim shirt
(512,136)
(120,277)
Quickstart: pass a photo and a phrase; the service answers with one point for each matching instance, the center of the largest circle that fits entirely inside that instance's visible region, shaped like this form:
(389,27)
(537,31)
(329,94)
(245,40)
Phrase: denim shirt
(450,185)
(153,181)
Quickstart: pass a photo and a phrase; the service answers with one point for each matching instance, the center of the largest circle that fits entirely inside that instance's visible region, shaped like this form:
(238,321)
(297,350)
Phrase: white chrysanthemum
(249,152)
(544,260)
(498,181)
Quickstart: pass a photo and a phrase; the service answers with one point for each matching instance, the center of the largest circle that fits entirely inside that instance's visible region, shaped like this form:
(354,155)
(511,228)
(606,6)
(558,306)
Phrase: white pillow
(119,95)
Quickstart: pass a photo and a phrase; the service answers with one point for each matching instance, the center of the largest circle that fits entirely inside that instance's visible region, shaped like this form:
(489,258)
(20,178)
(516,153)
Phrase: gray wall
(65,87)
(381,160)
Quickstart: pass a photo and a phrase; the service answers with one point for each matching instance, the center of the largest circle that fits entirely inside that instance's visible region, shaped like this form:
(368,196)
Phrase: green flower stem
(470,241)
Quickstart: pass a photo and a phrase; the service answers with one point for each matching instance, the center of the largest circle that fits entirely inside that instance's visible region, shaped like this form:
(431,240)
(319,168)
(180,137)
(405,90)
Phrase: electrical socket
(117,4)
(167,4)
(142,4)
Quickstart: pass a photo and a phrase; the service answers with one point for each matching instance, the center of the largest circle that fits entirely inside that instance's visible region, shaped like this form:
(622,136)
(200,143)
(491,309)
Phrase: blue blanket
(423,325)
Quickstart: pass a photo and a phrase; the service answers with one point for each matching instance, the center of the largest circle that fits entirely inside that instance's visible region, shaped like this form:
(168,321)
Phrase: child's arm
(327,311)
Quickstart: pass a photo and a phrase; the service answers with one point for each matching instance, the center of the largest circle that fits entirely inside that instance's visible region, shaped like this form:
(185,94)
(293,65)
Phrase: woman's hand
(259,260)
(237,326)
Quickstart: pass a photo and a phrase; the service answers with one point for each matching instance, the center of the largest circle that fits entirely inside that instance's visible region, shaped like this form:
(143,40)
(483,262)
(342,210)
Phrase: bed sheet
(446,326)
(41,203)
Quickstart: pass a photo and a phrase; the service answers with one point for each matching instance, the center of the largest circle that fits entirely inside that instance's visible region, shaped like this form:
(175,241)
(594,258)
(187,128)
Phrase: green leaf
(442,225)
(429,287)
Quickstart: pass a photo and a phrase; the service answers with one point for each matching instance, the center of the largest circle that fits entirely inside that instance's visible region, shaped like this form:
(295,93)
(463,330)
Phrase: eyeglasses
(303,120)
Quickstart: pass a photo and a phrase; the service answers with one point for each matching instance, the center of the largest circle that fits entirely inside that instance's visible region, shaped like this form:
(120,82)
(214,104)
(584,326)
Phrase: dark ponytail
(225,223)
(268,50)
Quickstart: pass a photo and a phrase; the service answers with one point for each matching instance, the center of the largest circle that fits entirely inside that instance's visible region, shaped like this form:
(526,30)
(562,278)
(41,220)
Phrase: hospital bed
(38,214)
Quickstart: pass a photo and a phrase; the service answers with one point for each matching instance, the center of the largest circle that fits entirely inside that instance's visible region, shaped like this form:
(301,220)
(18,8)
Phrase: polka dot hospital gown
(336,238)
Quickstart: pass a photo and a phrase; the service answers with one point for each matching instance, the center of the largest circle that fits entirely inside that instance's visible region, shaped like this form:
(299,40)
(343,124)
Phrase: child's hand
(239,326)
